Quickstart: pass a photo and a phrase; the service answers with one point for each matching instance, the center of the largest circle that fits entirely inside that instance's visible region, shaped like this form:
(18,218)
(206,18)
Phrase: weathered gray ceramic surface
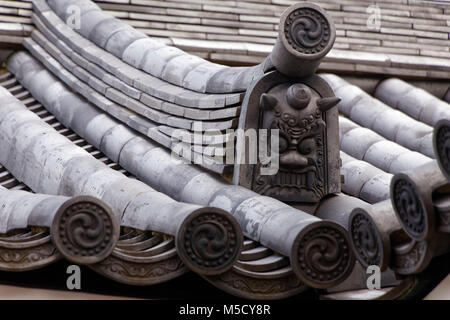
(160,100)
(292,55)
(363,180)
(339,207)
(154,112)
(384,120)
(50,163)
(372,231)
(17,210)
(161,61)
(244,32)
(25,134)
(365,144)
(374,155)
(413,194)
(71,41)
(154,251)
(261,218)
(150,122)
(416,102)
(111,86)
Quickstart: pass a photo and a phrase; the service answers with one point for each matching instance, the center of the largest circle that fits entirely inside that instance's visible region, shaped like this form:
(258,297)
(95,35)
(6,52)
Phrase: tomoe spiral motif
(365,240)
(409,207)
(85,231)
(210,242)
(307,30)
(324,256)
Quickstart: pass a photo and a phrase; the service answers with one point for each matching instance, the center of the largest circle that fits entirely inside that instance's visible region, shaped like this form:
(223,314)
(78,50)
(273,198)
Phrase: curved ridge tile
(62,7)
(134,77)
(89,21)
(114,95)
(155,60)
(147,125)
(122,39)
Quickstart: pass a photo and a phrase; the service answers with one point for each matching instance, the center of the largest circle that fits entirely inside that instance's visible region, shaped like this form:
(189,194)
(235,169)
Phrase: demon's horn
(267,101)
(326,104)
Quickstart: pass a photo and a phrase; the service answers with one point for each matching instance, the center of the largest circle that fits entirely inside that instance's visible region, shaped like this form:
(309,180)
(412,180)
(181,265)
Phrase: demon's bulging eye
(306,146)
(283,146)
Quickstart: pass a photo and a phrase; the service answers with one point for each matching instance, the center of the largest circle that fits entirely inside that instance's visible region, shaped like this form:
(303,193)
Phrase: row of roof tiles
(343,120)
(238,32)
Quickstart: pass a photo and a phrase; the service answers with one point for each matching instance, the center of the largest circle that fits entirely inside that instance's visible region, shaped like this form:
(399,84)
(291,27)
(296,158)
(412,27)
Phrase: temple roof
(411,39)
(130,93)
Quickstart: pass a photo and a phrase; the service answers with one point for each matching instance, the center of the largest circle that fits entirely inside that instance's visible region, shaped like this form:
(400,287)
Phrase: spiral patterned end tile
(441,143)
(209,241)
(85,230)
(409,207)
(307,30)
(321,255)
(365,240)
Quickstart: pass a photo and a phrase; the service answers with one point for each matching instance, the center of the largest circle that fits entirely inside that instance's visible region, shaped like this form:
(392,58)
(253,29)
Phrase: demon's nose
(293,160)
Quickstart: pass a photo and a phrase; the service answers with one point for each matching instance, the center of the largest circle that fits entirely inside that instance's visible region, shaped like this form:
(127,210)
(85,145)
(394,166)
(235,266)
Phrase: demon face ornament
(303,112)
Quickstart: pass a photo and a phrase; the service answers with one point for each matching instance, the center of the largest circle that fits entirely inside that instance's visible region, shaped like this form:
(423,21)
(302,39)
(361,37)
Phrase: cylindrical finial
(85,230)
(306,35)
(209,241)
(321,255)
